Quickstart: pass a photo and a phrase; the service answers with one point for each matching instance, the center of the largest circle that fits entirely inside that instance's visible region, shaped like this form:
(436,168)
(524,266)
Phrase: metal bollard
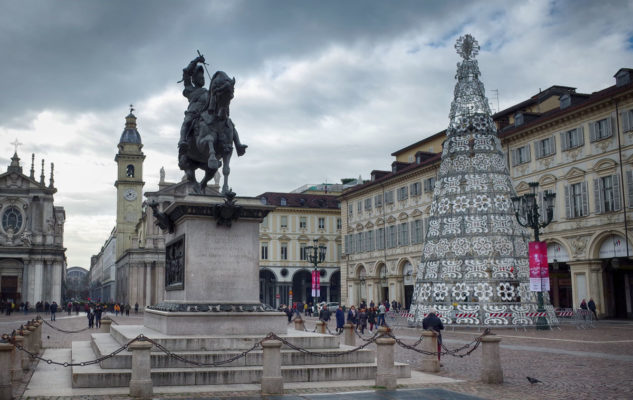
(491,371)
(141,382)
(299,325)
(350,338)
(320,326)
(105,325)
(430,363)
(6,390)
(385,370)
(272,382)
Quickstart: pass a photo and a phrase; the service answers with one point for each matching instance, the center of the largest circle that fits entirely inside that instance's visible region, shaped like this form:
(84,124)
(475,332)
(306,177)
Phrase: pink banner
(539,272)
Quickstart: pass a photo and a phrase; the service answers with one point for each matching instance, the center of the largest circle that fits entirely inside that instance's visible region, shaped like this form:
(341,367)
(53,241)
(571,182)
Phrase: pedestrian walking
(592,307)
(362,320)
(91,318)
(432,323)
(381,314)
(352,316)
(583,309)
(371,318)
(98,313)
(53,310)
(324,314)
(127,310)
(136,308)
(340,319)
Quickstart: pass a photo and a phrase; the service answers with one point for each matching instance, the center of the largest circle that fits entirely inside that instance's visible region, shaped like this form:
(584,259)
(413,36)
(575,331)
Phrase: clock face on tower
(130,194)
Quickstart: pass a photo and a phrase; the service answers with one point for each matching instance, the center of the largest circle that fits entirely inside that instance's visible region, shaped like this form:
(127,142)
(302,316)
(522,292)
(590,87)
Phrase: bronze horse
(211,136)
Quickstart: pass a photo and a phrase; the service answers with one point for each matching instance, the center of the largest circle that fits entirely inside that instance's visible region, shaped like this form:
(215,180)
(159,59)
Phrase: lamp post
(315,255)
(526,210)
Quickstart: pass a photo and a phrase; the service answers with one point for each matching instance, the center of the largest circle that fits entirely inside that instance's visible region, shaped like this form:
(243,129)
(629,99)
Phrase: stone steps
(103,344)
(95,376)
(307,340)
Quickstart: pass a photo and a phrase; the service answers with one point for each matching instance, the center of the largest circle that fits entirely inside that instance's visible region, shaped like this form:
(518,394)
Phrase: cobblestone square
(571,363)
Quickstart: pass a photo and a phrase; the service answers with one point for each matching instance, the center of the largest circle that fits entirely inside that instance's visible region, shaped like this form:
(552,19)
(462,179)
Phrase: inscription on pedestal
(175,264)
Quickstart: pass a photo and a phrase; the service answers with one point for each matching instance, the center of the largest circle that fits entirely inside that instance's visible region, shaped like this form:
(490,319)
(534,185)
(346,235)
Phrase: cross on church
(16,144)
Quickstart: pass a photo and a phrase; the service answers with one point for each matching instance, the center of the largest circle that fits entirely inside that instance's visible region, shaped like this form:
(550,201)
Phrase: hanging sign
(539,270)
(316,284)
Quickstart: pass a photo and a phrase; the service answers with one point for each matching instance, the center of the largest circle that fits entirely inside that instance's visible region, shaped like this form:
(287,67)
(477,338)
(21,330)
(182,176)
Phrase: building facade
(32,253)
(77,286)
(284,235)
(102,276)
(579,146)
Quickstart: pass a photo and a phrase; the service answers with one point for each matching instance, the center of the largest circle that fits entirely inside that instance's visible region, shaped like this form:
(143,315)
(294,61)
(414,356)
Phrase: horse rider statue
(207,134)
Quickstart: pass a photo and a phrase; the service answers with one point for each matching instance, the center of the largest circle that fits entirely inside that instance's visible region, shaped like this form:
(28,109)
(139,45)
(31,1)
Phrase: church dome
(130,134)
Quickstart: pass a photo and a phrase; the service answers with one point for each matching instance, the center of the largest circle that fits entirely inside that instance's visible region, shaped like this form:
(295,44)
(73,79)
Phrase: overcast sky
(325,89)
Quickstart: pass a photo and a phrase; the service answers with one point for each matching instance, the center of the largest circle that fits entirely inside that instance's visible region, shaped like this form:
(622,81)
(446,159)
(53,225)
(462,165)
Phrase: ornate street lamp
(316,255)
(526,210)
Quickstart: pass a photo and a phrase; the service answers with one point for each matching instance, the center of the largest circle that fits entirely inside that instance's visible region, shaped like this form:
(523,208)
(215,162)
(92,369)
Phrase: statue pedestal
(212,270)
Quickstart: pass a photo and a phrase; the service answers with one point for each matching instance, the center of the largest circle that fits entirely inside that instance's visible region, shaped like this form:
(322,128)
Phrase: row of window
(607,196)
(303,222)
(283,251)
(402,193)
(392,236)
(571,139)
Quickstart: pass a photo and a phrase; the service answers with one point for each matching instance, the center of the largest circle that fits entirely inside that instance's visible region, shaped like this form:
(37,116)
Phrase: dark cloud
(97,55)
(325,89)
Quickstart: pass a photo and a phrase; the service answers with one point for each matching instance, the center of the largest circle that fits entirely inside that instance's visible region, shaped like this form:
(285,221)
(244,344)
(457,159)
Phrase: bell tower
(129,184)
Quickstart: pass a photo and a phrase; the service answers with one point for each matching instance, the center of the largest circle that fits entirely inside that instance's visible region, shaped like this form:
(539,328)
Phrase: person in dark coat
(371,318)
(362,320)
(91,319)
(324,314)
(592,306)
(98,313)
(53,309)
(340,319)
(352,315)
(433,323)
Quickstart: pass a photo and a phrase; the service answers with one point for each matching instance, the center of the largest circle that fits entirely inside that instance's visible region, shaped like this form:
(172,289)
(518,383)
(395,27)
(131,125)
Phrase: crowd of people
(94,310)
(364,317)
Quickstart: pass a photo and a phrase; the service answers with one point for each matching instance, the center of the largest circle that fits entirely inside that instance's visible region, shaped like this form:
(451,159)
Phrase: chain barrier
(78,364)
(332,333)
(362,337)
(472,346)
(272,336)
(111,319)
(63,330)
(200,364)
(446,351)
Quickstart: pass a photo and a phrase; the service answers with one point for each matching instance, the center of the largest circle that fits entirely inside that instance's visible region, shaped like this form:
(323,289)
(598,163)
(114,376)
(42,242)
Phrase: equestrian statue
(207,134)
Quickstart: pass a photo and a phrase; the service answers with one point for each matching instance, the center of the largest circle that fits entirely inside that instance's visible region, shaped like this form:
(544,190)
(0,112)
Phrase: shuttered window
(607,194)
(380,239)
(572,138)
(576,200)
(627,120)
(403,234)
(601,129)
(429,185)
(545,147)
(521,155)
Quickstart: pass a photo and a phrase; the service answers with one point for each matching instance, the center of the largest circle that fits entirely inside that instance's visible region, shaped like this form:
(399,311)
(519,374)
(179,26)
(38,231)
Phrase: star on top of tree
(467,47)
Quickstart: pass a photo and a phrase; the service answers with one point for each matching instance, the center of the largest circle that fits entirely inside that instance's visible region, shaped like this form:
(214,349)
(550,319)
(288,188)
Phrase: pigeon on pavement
(533,380)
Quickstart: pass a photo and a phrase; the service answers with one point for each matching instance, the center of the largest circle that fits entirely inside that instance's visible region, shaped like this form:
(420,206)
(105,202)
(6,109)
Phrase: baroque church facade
(32,253)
